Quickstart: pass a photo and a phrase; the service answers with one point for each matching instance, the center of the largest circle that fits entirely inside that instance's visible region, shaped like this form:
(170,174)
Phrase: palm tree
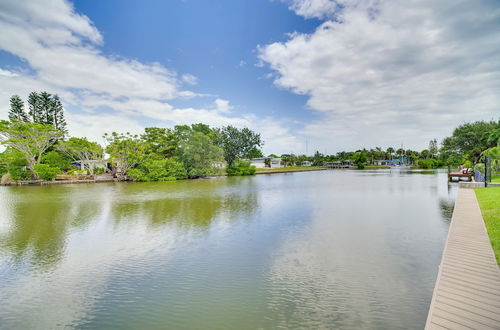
(390,151)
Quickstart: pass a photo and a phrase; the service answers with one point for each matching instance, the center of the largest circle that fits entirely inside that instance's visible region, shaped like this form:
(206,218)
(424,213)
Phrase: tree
(492,137)
(254,153)
(241,168)
(433,148)
(80,149)
(360,159)
(57,114)
(425,153)
(47,109)
(237,143)
(200,155)
(288,159)
(318,158)
(126,151)
(45,103)
(168,169)
(16,111)
(34,106)
(31,139)
(390,151)
(468,140)
(160,141)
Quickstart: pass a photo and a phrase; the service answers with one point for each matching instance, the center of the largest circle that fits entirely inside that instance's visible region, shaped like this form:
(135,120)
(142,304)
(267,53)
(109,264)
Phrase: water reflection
(40,218)
(333,249)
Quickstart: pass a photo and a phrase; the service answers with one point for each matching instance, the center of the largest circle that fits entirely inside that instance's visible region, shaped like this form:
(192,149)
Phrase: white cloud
(61,50)
(190,79)
(7,73)
(313,8)
(389,72)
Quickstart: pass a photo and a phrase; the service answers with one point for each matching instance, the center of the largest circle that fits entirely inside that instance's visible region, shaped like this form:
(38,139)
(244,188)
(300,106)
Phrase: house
(306,163)
(339,164)
(91,164)
(391,162)
(266,162)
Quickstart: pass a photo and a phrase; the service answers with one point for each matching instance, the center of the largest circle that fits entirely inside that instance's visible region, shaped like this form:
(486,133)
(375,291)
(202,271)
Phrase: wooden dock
(459,175)
(467,291)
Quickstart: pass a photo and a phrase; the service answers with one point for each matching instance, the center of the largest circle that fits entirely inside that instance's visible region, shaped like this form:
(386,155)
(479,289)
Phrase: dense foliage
(238,143)
(240,168)
(37,147)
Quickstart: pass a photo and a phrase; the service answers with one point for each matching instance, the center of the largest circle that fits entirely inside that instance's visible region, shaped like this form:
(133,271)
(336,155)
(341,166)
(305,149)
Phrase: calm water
(330,249)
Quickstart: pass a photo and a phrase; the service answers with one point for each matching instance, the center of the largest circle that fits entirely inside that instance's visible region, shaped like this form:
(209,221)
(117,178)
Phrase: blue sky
(222,57)
(340,74)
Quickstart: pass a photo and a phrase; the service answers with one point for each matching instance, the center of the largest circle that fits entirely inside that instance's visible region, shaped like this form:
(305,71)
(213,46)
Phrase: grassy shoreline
(289,169)
(489,202)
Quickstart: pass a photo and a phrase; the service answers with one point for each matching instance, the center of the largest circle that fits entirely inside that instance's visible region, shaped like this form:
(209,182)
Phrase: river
(330,249)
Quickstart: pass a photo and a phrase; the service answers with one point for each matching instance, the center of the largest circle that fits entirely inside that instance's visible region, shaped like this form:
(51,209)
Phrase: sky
(327,75)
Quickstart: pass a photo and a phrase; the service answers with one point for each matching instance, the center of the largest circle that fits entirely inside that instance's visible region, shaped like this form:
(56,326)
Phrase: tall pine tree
(34,106)
(46,103)
(16,111)
(57,112)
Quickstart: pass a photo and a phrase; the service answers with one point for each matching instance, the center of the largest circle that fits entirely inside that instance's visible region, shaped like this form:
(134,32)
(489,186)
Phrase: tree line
(468,144)
(38,147)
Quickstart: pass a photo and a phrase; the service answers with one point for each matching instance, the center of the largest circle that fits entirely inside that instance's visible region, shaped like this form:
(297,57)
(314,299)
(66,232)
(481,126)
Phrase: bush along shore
(39,149)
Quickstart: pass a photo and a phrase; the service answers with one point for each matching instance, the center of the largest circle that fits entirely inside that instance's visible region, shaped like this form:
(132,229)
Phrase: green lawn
(489,202)
(495,178)
(290,168)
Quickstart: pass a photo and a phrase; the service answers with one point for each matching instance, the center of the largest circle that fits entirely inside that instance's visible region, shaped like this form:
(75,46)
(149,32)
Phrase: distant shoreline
(280,170)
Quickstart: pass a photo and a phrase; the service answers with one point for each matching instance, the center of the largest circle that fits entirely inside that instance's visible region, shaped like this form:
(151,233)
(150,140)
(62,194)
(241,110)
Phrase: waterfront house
(270,163)
(339,164)
(391,162)
(306,163)
(91,164)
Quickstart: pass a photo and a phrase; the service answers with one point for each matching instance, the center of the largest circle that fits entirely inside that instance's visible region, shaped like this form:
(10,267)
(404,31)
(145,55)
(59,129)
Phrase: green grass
(290,168)
(489,202)
(495,178)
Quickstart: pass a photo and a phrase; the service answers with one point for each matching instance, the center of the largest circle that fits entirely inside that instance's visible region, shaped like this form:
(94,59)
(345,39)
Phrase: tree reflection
(40,219)
(194,205)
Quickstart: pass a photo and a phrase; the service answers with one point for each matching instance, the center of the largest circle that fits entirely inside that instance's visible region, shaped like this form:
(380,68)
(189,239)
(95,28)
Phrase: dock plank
(467,291)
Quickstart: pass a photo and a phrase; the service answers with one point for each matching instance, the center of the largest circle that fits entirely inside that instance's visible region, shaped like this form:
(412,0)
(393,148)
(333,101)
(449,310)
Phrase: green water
(330,249)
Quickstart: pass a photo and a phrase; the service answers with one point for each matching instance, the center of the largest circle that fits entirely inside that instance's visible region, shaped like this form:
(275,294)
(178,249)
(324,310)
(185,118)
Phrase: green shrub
(46,172)
(57,160)
(3,167)
(15,164)
(241,168)
(427,163)
(169,169)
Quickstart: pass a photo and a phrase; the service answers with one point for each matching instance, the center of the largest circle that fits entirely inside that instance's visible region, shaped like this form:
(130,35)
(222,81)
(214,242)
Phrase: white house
(261,162)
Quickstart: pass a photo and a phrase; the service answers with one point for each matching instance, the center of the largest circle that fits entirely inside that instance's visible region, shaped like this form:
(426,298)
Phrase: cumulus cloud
(314,8)
(380,72)
(190,79)
(60,51)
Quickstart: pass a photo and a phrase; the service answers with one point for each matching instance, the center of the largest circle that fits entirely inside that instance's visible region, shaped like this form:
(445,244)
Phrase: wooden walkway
(467,292)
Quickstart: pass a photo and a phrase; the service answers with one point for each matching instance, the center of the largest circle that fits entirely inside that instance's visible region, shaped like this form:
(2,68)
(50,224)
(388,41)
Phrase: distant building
(391,162)
(306,163)
(262,163)
(339,164)
(91,164)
